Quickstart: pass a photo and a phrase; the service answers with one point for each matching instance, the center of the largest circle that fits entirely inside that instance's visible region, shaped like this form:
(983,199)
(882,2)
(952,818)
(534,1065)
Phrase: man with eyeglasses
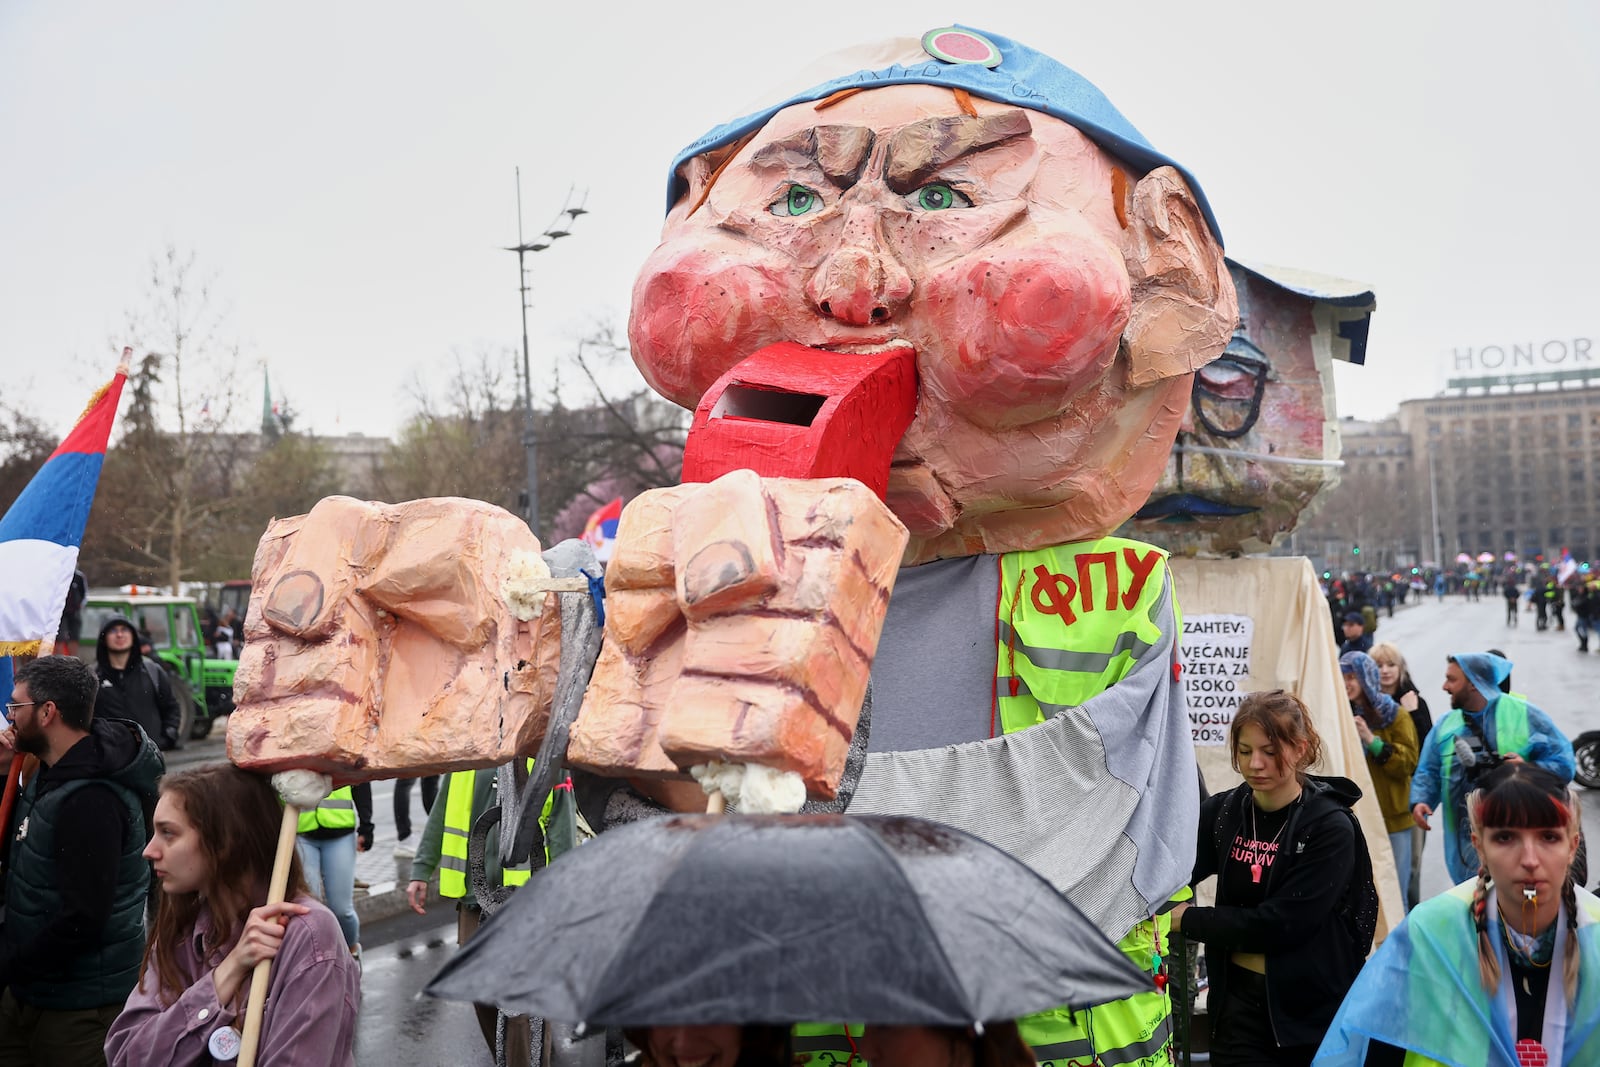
(75,879)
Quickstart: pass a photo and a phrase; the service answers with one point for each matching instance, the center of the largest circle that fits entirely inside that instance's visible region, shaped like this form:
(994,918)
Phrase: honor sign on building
(1507,456)
(1506,363)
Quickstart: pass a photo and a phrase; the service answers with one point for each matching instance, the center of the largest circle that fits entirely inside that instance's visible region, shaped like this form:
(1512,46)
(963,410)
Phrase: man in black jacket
(134,688)
(76,879)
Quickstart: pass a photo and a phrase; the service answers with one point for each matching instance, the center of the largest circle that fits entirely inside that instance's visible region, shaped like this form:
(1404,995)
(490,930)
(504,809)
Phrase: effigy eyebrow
(918,150)
(839,152)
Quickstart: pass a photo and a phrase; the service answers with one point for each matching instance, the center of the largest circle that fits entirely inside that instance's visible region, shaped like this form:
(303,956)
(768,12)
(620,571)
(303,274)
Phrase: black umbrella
(779,919)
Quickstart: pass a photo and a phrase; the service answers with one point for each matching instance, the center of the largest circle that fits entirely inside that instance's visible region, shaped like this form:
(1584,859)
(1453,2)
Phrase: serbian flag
(41,531)
(1567,568)
(601,529)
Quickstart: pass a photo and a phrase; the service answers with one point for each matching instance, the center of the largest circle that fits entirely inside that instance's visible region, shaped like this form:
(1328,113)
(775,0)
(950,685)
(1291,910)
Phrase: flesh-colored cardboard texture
(378,643)
(1256,453)
(775,609)
(1056,324)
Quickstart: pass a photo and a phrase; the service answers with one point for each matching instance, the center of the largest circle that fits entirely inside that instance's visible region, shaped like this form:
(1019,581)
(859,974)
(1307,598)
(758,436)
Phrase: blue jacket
(1544,745)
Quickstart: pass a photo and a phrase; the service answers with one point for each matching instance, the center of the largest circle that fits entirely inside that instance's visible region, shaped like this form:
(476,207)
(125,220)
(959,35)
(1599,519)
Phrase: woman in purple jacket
(215,833)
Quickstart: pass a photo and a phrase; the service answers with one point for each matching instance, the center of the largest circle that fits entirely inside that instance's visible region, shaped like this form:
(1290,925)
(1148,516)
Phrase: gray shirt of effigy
(933,677)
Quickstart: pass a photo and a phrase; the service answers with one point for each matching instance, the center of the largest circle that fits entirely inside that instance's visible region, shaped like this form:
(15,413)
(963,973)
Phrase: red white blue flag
(601,529)
(43,528)
(1567,567)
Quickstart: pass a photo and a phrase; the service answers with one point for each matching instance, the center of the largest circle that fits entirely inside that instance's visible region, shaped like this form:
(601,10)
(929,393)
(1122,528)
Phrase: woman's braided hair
(1524,796)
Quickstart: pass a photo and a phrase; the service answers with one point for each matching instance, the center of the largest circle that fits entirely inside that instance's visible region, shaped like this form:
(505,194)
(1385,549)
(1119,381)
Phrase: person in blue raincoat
(1484,727)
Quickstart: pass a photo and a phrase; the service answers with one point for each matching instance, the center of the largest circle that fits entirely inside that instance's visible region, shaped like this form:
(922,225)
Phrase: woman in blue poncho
(1503,971)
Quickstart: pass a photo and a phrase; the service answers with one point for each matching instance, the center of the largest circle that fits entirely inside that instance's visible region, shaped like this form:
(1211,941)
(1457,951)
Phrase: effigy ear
(1184,306)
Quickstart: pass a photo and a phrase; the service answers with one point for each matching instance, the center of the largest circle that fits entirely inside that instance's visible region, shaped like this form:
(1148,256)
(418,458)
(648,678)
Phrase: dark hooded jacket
(1316,924)
(76,879)
(139,692)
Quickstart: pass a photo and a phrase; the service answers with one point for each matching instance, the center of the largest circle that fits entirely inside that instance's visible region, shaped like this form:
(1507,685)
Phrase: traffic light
(1326,575)
(1355,550)
(1416,570)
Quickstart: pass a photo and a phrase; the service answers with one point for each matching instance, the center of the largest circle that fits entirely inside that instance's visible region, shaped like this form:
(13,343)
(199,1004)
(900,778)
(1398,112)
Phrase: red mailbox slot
(789,411)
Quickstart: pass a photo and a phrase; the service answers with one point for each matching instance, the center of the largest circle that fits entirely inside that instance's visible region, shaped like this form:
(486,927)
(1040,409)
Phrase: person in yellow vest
(330,836)
(443,850)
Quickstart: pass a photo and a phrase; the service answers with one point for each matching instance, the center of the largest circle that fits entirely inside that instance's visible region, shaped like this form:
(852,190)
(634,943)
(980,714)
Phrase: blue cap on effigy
(987,65)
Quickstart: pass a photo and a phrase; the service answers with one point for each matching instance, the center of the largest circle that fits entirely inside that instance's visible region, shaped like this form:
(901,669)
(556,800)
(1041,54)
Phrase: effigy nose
(861,282)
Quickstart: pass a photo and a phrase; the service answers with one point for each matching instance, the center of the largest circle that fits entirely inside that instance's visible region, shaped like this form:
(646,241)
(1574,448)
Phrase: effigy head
(1058,278)
(1259,448)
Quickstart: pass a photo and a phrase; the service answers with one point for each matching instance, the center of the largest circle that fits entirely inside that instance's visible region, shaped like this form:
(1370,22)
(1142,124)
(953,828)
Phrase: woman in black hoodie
(1295,907)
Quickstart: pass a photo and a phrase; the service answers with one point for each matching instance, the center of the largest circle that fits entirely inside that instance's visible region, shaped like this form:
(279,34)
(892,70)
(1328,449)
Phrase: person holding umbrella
(713,1046)
(996,1044)
(707,932)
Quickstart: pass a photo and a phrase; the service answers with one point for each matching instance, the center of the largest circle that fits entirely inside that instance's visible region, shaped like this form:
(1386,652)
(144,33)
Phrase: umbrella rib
(922,916)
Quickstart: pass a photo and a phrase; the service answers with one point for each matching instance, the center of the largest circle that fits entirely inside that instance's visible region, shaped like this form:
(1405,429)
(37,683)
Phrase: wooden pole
(13,786)
(288,833)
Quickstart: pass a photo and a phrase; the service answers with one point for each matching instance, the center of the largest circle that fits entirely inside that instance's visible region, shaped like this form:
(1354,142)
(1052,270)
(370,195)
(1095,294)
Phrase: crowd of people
(89,977)
(1550,594)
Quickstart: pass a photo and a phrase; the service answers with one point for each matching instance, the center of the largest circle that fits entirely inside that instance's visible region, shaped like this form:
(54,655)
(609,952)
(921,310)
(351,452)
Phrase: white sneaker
(404,852)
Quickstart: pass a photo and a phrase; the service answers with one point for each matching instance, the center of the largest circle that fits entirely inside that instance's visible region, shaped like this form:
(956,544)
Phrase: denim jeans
(1400,843)
(330,864)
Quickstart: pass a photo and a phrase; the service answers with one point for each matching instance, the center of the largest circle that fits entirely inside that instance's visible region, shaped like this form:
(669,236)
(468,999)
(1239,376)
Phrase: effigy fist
(741,620)
(386,639)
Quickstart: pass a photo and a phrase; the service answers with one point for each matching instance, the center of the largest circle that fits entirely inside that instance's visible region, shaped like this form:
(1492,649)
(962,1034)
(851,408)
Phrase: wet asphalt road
(397,1028)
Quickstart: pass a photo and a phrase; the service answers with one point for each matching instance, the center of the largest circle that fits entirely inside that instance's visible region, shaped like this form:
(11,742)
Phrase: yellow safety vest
(458,817)
(336,812)
(1073,621)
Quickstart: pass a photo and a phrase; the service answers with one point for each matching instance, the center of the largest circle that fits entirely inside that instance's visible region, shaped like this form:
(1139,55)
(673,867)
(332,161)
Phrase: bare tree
(168,484)
(466,439)
(25,443)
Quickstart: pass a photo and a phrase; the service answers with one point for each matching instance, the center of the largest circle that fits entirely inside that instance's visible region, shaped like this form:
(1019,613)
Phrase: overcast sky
(343,171)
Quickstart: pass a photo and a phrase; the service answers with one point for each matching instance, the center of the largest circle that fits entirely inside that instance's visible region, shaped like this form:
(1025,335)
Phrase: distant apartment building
(355,460)
(1513,466)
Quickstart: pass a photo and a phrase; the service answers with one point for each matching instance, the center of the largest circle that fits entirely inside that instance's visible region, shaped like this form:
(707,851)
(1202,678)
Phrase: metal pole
(530,427)
(1433,494)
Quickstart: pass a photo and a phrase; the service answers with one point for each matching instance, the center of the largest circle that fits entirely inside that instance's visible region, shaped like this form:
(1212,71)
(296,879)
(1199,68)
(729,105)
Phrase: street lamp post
(530,425)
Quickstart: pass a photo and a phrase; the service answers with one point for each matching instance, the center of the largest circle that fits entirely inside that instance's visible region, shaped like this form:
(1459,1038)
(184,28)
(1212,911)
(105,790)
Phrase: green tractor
(171,627)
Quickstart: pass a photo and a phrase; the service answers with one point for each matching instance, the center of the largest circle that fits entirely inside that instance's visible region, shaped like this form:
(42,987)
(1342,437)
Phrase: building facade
(1509,469)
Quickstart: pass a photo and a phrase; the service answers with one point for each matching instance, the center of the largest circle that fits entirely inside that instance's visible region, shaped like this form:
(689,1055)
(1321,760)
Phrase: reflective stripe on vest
(336,812)
(1073,620)
(1133,1032)
(457,825)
